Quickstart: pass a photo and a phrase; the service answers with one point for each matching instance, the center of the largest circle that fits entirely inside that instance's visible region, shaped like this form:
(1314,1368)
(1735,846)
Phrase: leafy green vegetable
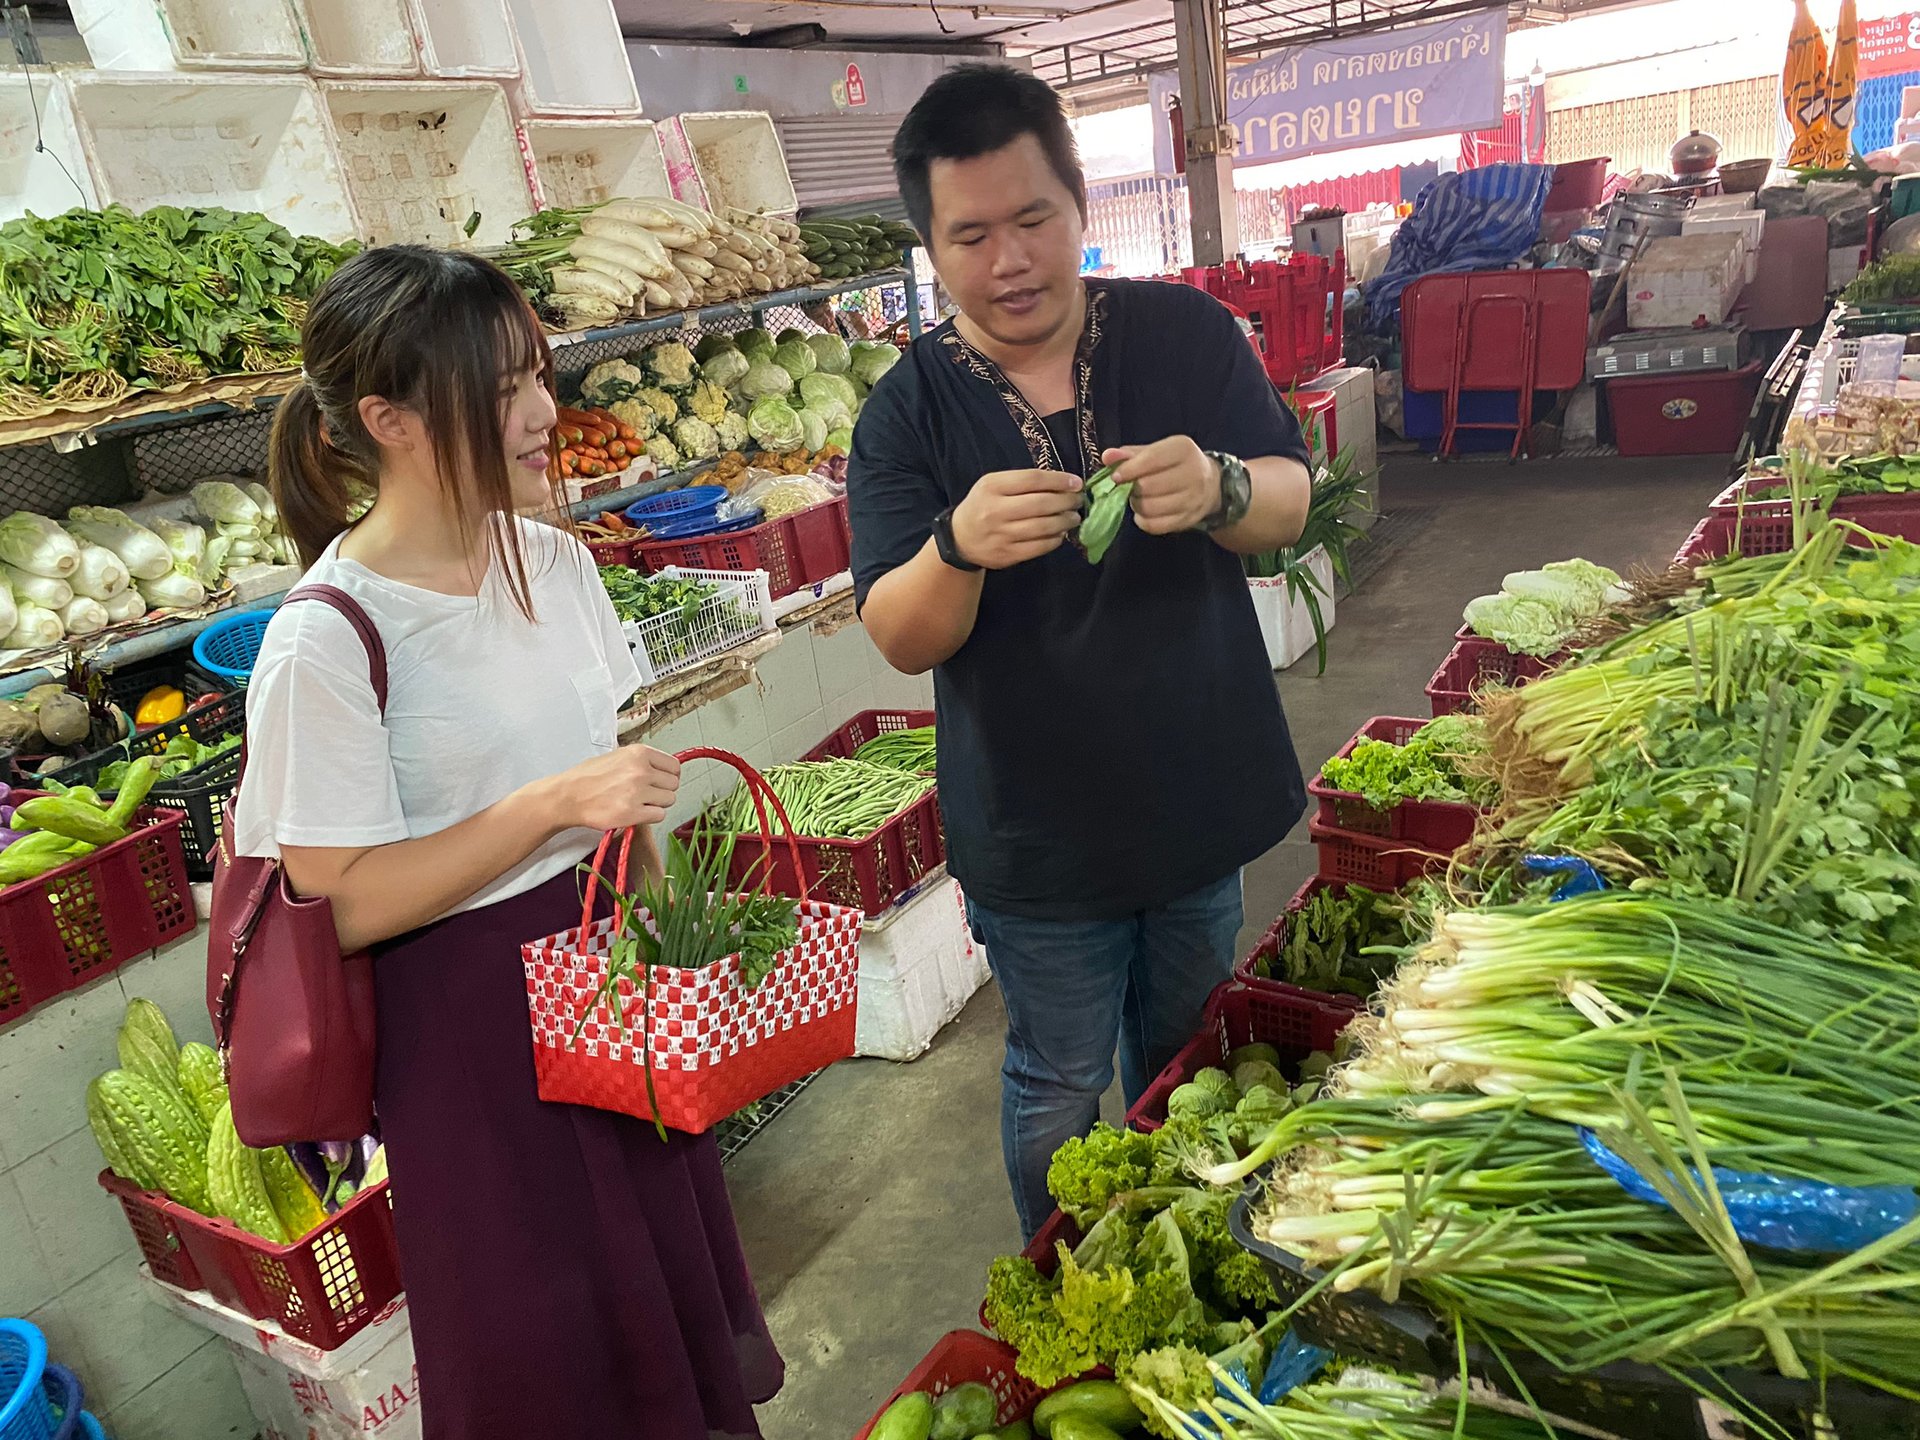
(1325,943)
(1106,501)
(183,753)
(1425,768)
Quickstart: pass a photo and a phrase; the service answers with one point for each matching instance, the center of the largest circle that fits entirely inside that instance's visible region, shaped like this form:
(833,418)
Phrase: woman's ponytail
(309,476)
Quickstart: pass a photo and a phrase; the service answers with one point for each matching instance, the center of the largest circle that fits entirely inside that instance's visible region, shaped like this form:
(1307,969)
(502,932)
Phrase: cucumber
(1104,1402)
(908,1418)
(1078,1427)
(1018,1430)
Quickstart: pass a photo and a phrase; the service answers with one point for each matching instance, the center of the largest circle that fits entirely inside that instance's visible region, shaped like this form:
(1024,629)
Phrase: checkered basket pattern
(713,1046)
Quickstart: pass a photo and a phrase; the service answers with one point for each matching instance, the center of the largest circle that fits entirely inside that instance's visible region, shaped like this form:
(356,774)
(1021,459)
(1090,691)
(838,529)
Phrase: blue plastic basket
(90,1427)
(26,1413)
(62,1389)
(703,525)
(227,648)
(676,505)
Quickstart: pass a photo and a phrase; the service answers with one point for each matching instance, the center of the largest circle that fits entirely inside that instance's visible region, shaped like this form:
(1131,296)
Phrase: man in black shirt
(1111,746)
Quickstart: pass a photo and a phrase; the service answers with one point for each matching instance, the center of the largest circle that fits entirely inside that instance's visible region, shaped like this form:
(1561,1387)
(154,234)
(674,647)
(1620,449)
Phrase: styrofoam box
(360,37)
(1681,280)
(583,162)
(1285,624)
(1747,224)
(466,39)
(155,35)
(47,181)
(727,159)
(420,158)
(918,968)
(248,142)
(573,59)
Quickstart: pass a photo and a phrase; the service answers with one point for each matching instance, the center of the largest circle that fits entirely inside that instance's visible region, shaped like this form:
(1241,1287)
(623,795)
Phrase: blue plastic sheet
(1781,1213)
(1581,878)
(1294,1363)
(1482,219)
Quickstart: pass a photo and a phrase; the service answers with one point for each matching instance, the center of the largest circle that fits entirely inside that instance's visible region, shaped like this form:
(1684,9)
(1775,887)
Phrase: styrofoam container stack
(918,968)
(728,159)
(359,38)
(248,142)
(583,162)
(573,59)
(43,165)
(157,35)
(1750,225)
(466,39)
(423,157)
(1683,280)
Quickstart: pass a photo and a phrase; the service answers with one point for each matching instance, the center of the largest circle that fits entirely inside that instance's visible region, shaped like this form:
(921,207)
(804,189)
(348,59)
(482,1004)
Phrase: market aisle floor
(872,1206)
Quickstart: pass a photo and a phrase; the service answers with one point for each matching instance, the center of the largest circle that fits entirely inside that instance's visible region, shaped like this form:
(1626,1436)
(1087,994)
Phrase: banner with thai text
(1367,90)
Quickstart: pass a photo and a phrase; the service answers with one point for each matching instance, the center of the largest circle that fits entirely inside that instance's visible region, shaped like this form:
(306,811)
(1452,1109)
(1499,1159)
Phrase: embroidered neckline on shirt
(1033,429)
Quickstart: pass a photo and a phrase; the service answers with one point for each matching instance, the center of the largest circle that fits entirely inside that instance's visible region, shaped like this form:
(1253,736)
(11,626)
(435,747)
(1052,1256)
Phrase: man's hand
(1175,486)
(1012,516)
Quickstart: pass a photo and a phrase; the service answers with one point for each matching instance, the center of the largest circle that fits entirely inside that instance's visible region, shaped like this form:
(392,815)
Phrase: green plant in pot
(1338,494)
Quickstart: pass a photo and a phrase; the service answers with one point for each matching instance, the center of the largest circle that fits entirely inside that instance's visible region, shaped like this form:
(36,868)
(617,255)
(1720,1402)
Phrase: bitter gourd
(294,1203)
(104,1136)
(235,1184)
(159,1134)
(199,1075)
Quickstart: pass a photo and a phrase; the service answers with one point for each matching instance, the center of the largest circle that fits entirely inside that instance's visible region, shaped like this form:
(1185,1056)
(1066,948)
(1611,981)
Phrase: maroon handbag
(292,1016)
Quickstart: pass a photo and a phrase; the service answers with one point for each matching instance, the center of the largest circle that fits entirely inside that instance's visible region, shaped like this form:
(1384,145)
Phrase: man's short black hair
(974,110)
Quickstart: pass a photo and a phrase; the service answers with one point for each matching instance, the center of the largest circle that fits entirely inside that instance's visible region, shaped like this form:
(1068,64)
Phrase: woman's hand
(633,785)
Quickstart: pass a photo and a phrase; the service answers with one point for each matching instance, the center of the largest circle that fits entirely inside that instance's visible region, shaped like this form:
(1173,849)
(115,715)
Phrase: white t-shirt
(480,701)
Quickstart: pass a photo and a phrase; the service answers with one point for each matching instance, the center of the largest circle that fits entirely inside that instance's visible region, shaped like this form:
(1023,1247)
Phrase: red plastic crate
(1370,860)
(1268,948)
(91,915)
(1431,824)
(796,550)
(868,874)
(1692,412)
(961,1357)
(1712,539)
(1765,527)
(1292,305)
(1475,662)
(867,725)
(320,1289)
(613,552)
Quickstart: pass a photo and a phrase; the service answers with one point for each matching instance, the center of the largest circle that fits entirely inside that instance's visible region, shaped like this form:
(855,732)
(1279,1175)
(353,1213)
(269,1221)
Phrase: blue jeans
(1073,989)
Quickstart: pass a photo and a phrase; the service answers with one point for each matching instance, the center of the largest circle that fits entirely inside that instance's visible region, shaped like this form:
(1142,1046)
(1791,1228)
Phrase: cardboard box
(1681,280)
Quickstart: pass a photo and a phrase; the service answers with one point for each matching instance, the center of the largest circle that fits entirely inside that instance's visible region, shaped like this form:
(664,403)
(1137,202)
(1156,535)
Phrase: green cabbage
(1528,626)
(841,440)
(821,390)
(765,379)
(711,344)
(755,344)
(790,335)
(872,359)
(726,367)
(775,424)
(813,429)
(832,353)
(795,357)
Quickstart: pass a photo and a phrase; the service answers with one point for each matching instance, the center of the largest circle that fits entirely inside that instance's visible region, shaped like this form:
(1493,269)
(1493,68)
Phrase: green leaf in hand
(1106,511)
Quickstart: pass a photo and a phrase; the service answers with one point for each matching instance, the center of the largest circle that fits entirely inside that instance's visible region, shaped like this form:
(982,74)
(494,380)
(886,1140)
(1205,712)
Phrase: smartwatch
(943,542)
(1236,493)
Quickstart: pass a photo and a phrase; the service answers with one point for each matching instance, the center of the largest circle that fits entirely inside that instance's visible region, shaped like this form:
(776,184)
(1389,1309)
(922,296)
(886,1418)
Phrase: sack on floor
(687,1047)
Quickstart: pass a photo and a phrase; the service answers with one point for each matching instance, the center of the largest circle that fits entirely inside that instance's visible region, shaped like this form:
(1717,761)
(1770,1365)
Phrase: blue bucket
(676,505)
(27,1413)
(227,648)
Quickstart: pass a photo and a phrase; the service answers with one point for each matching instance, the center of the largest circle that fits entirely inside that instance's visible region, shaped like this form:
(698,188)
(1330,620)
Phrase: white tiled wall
(67,1259)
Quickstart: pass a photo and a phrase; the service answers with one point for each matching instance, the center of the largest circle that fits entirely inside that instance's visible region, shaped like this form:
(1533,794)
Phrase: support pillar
(1199,28)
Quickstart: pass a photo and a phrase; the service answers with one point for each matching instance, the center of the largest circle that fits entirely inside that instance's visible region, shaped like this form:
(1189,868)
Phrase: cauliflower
(665,407)
(611,380)
(731,432)
(670,363)
(637,413)
(663,452)
(695,438)
(708,401)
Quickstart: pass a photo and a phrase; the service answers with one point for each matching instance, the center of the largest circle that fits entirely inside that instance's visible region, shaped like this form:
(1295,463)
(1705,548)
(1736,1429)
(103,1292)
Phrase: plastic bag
(779,495)
(1580,877)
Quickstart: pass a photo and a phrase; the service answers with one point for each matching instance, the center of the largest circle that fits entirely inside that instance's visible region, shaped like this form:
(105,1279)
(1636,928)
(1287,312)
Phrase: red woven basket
(321,1288)
(1431,824)
(71,925)
(1474,663)
(796,551)
(710,1046)
(965,1357)
(1370,860)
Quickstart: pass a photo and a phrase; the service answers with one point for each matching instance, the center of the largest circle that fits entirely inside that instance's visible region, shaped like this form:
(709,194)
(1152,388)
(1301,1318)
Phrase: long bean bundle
(909,750)
(826,799)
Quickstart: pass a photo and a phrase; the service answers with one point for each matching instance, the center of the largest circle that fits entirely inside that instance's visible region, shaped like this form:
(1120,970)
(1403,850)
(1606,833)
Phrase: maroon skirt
(568,1272)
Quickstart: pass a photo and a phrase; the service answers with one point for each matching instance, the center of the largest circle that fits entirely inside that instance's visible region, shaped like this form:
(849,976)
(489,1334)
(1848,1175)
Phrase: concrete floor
(871,1208)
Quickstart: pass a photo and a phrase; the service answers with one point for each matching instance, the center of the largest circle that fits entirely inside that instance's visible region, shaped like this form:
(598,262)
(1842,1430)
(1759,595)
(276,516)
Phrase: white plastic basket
(465,39)
(156,35)
(737,611)
(243,141)
(728,159)
(355,38)
(573,59)
(422,158)
(36,111)
(583,162)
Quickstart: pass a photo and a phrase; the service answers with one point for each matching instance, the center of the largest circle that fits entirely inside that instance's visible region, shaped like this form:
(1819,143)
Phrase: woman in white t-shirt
(567,1271)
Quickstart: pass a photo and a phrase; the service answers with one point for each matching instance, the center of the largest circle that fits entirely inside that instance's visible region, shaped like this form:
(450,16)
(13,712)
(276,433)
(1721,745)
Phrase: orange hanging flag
(1841,87)
(1803,89)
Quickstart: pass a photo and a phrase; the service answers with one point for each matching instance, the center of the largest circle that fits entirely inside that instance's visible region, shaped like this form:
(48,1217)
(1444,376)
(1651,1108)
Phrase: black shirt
(1110,736)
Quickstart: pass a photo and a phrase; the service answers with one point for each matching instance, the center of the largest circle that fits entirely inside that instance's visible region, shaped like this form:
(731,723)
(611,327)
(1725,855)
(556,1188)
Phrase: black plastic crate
(199,794)
(1625,1397)
(127,683)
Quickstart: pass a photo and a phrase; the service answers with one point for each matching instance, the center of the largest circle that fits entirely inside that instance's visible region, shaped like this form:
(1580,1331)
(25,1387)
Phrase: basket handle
(758,789)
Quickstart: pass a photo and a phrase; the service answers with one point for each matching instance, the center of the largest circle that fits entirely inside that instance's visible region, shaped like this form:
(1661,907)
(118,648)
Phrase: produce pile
(1427,767)
(1341,941)
(163,1121)
(910,750)
(691,621)
(104,568)
(1851,475)
(825,799)
(94,304)
(1538,611)
(859,245)
(631,257)
(43,832)
(785,393)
